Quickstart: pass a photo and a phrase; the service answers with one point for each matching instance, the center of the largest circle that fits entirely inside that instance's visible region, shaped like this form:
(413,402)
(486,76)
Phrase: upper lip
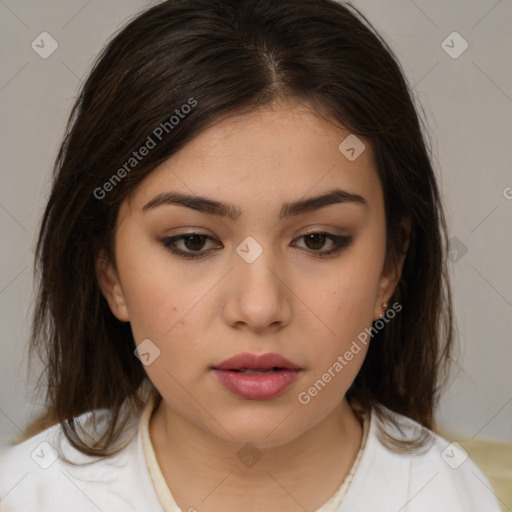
(256,362)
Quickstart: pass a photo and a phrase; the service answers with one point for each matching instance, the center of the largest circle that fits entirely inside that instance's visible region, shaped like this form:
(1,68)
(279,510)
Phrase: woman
(243,297)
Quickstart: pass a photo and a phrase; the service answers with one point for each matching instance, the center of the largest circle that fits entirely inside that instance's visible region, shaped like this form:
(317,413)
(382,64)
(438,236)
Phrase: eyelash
(340,243)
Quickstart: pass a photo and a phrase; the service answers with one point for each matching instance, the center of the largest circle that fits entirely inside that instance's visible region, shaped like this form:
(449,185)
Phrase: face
(281,263)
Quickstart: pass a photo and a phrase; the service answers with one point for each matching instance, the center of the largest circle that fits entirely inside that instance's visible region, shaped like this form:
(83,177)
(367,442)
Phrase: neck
(212,474)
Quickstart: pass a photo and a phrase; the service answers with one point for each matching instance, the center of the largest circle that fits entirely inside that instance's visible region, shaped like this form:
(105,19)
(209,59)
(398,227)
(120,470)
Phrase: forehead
(274,154)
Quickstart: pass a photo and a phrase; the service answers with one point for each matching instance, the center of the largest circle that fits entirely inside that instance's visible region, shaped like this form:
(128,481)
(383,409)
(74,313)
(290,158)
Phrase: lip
(254,386)
(256,362)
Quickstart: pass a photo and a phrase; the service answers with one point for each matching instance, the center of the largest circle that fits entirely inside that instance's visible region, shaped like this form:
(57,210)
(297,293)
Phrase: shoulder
(440,476)
(46,473)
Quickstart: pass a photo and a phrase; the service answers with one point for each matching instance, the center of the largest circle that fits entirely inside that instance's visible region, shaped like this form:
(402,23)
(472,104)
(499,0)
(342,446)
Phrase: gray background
(468,106)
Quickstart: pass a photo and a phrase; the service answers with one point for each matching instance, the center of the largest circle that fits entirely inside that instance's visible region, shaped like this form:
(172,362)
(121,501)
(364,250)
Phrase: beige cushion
(494,458)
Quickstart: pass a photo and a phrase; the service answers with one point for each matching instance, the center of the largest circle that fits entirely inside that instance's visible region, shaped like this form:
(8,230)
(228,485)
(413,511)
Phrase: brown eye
(190,245)
(315,241)
(194,242)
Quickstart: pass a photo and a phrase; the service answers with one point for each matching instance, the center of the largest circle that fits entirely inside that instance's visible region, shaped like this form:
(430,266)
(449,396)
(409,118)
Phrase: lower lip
(256,387)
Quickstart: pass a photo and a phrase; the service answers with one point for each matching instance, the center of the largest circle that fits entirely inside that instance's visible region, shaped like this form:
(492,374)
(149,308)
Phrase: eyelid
(168,241)
(340,242)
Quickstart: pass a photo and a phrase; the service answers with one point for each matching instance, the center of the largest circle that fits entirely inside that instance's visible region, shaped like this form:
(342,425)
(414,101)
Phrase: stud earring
(384,306)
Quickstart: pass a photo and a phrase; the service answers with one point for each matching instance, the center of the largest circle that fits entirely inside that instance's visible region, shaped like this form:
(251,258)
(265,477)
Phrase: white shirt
(34,479)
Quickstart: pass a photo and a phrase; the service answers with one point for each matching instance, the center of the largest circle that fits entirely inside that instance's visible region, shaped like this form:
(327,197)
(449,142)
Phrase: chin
(264,427)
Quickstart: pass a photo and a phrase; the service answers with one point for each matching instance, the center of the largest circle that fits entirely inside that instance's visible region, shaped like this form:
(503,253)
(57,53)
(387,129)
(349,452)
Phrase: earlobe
(388,281)
(392,271)
(110,286)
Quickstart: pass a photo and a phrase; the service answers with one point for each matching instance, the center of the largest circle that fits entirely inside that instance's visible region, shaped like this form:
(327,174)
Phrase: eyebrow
(210,206)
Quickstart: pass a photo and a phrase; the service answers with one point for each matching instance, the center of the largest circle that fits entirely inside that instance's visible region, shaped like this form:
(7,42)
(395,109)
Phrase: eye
(191,245)
(315,241)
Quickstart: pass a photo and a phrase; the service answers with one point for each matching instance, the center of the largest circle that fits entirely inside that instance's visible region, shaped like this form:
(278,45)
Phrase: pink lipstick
(256,377)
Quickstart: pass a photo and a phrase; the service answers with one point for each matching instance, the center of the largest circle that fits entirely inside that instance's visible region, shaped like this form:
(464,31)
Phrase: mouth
(258,363)
(256,377)
(248,371)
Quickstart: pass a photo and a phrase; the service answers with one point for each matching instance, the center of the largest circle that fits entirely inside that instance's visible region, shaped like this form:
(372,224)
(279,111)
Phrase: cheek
(157,293)
(346,300)
(169,305)
(341,346)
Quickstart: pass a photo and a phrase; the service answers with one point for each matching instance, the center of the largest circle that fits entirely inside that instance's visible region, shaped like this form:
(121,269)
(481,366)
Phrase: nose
(257,295)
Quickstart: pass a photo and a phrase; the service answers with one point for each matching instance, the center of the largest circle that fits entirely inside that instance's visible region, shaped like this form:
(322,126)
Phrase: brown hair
(231,56)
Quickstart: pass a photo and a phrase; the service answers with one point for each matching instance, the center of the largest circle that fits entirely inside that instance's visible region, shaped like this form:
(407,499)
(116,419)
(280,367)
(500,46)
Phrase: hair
(224,57)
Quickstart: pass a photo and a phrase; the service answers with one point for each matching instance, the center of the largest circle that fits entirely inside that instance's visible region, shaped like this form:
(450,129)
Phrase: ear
(392,270)
(110,286)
